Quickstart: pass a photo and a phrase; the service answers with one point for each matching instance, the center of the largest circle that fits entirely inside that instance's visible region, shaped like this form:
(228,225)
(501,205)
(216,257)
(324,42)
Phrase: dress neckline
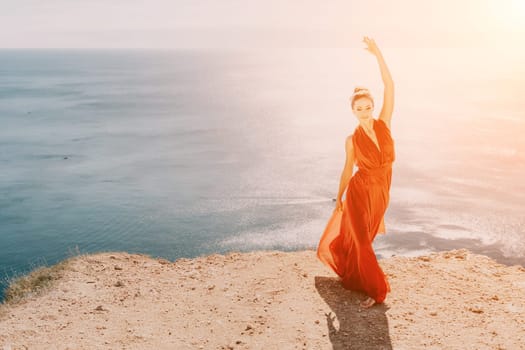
(378,146)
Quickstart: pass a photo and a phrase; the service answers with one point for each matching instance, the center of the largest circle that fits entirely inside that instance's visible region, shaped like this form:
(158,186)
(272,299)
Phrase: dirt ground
(269,300)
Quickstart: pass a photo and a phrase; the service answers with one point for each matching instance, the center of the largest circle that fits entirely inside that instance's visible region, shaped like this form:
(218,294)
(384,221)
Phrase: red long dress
(346,244)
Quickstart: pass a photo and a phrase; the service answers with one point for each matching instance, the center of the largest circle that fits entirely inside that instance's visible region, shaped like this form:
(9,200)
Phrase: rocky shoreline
(269,300)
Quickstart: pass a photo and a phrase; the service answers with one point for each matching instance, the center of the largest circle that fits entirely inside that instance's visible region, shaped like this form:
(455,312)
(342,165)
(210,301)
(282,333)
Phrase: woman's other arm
(347,171)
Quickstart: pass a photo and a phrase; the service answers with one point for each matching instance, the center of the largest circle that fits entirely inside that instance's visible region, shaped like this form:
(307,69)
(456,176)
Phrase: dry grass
(36,282)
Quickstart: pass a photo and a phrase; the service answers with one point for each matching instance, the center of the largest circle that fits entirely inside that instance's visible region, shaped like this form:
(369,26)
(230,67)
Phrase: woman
(346,244)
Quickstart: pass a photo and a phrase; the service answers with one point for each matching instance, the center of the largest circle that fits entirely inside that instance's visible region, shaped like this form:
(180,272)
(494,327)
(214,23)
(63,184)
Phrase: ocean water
(183,153)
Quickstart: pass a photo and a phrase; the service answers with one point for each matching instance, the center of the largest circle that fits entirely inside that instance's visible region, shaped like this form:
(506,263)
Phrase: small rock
(100,308)
(118,267)
(476,310)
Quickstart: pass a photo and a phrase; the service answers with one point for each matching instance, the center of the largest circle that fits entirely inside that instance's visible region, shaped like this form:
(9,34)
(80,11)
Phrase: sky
(259,24)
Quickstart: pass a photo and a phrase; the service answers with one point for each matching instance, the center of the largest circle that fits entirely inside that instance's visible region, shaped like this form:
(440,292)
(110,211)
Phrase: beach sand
(269,300)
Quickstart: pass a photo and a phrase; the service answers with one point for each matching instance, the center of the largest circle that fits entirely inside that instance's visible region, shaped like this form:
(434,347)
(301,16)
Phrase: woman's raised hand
(371,46)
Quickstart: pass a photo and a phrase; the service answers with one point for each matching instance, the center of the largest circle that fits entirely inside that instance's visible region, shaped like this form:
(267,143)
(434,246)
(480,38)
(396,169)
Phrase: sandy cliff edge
(269,300)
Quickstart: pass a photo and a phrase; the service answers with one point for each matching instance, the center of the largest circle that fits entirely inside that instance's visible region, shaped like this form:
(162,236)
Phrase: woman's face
(363,108)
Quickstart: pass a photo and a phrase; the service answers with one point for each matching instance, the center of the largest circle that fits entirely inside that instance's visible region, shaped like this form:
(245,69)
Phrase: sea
(188,152)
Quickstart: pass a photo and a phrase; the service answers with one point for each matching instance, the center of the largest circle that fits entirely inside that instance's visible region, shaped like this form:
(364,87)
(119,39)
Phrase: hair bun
(359,89)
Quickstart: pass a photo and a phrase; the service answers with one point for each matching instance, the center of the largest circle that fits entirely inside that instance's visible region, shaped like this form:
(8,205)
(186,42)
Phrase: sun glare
(510,14)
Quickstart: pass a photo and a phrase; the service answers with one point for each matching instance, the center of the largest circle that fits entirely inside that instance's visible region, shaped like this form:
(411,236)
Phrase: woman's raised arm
(388,100)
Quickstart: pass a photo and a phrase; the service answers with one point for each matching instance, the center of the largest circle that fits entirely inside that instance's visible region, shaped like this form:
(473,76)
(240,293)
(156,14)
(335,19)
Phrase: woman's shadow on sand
(358,328)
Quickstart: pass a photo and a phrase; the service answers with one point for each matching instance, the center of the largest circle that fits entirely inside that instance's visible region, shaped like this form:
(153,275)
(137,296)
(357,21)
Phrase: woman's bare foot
(367,303)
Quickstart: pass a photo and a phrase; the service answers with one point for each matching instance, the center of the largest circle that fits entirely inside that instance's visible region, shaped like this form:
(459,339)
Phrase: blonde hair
(361,92)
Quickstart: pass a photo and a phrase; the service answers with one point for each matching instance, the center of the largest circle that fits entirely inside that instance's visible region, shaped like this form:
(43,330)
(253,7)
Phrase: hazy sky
(268,23)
